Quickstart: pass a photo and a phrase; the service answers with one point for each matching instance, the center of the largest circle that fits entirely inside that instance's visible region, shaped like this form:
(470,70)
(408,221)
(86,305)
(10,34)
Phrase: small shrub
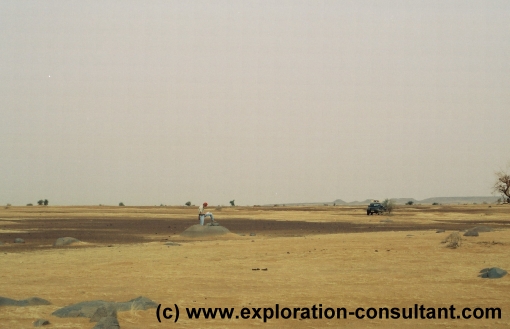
(453,240)
(188,203)
(232,203)
(46,202)
(409,203)
(389,204)
(435,204)
(40,202)
(121,204)
(29,204)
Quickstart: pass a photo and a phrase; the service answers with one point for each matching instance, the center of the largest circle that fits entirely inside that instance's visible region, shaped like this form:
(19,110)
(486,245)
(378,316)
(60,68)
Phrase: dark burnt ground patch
(42,233)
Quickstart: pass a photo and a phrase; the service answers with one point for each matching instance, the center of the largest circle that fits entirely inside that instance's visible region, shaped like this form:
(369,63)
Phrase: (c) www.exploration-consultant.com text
(318,312)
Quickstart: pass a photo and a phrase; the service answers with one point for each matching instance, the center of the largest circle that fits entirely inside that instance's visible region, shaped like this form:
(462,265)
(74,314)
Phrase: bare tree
(502,184)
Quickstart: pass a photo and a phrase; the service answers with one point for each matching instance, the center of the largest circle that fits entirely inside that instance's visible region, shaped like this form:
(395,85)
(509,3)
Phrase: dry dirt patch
(366,269)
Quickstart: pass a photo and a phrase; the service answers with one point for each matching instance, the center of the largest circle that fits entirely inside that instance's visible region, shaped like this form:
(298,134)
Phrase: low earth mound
(203,231)
(65,241)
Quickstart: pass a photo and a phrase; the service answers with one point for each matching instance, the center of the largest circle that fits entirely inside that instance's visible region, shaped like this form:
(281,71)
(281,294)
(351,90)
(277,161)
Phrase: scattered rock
(102,312)
(440,231)
(482,229)
(139,303)
(80,310)
(87,309)
(32,301)
(19,240)
(492,273)
(108,322)
(253,234)
(41,322)
(65,241)
(471,233)
(4,301)
(172,244)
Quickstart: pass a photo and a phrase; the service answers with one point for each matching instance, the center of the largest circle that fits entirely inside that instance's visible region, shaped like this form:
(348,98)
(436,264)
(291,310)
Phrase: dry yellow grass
(383,269)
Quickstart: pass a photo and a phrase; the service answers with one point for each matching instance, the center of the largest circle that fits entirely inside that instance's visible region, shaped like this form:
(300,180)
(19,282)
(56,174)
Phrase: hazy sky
(258,101)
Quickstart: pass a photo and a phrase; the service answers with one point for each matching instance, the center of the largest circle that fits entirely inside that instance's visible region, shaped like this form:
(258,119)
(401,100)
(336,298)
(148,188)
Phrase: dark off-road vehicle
(375,208)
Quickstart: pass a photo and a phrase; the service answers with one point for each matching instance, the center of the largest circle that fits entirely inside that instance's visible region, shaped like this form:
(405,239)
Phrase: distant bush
(121,204)
(188,203)
(29,204)
(409,203)
(453,240)
(435,204)
(40,202)
(46,202)
(232,203)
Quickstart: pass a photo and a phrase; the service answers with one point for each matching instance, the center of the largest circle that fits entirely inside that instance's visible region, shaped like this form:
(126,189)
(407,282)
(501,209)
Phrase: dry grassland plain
(334,256)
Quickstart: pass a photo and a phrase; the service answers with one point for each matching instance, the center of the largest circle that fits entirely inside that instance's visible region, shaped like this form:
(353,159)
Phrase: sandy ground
(334,256)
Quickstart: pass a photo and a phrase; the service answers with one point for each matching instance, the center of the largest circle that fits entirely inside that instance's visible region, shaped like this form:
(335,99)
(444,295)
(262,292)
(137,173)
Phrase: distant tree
(188,203)
(409,203)
(232,203)
(389,204)
(435,204)
(46,202)
(121,204)
(40,202)
(502,184)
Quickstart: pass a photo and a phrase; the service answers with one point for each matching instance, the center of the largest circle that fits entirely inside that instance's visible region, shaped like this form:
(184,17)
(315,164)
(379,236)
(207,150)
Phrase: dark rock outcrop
(492,273)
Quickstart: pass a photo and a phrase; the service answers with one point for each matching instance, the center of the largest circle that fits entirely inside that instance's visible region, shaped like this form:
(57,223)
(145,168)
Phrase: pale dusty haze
(166,102)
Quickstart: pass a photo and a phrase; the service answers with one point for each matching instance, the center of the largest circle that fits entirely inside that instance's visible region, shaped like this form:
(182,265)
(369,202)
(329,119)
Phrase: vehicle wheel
(368,213)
